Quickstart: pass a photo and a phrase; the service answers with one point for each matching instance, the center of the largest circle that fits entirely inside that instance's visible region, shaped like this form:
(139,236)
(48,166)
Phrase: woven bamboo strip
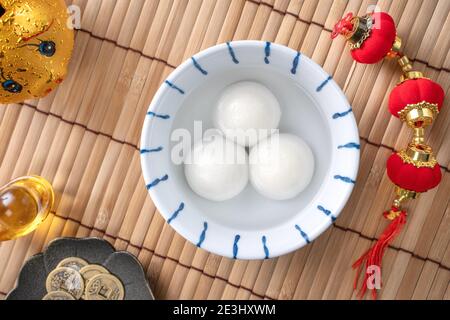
(242,294)
(203,288)
(143,24)
(217,289)
(425,281)
(192,31)
(9,120)
(410,279)
(310,268)
(134,224)
(143,224)
(325,267)
(447,294)
(124,196)
(441,241)
(426,217)
(190,285)
(394,279)
(341,267)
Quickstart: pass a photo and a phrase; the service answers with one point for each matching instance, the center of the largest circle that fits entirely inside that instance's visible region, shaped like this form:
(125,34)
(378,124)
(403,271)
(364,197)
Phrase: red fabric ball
(410,177)
(380,41)
(414,91)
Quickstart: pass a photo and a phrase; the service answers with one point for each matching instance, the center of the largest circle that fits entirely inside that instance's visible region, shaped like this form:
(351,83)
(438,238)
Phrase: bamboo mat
(85,139)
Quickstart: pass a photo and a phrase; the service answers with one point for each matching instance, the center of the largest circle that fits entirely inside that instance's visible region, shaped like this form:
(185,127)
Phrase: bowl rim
(306,231)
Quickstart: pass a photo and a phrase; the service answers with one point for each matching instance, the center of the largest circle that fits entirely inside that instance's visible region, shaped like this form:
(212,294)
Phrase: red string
(374,256)
(343,26)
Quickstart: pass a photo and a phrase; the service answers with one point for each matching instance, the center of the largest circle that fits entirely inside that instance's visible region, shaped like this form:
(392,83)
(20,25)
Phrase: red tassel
(375,254)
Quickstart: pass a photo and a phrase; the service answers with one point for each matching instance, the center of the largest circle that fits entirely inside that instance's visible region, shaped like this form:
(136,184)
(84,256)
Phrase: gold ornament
(35,48)
(361,31)
(423,112)
(419,136)
(419,155)
(396,48)
(402,195)
(408,72)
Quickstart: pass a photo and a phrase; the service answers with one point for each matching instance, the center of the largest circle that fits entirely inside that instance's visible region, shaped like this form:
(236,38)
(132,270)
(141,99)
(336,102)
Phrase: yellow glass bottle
(24,203)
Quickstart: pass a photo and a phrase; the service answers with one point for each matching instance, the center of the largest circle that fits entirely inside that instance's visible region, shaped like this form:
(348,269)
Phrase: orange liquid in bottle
(24,203)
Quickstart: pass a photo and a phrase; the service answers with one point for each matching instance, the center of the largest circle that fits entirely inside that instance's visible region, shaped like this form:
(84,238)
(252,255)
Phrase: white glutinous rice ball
(247,112)
(216,168)
(281,166)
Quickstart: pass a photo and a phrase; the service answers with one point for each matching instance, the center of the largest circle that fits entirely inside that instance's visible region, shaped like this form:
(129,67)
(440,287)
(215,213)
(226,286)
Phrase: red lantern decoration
(413,170)
(371,37)
(416,101)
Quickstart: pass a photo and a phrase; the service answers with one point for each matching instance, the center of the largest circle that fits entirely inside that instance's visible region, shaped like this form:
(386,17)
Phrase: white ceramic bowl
(250,226)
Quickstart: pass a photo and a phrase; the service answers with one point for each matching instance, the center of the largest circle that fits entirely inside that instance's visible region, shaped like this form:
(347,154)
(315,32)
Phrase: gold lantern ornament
(36,44)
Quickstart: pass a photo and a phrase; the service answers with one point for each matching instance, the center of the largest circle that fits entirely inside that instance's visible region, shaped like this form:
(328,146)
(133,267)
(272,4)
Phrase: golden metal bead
(405,64)
(402,195)
(419,136)
(419,155)
(419,114)
(396,47)
(362,27)
(410,75)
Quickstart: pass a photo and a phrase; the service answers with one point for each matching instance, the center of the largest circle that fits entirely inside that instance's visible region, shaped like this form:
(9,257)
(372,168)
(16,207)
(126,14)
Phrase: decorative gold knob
(403,195)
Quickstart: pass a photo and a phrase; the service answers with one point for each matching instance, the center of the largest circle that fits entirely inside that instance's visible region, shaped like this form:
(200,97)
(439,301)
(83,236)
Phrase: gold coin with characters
(66,279)
(104,287)
(89,271)
(36,43)
(58,295)
(73,263)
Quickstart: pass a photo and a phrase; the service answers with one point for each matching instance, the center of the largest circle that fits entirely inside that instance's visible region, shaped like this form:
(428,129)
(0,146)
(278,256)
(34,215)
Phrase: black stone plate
(125,266)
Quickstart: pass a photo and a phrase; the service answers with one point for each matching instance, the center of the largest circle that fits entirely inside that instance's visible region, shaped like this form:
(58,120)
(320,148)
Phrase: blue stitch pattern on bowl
(198,66)
(295,63)
(341,114)
(302,233)
(266,249)
(203,234)
(157,181)
(350,145)
(267,52)
(156,115)
(175,214)
(158,149)
(173,86)
(232,54)
(235,246)
(323,84)
(344,179)
(327,212)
